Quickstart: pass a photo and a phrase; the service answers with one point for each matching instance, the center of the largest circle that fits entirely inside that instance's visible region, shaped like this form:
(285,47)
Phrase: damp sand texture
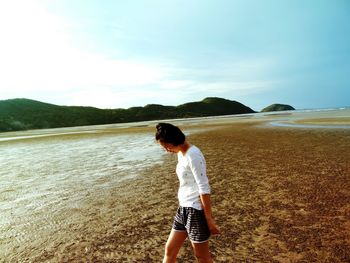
(279,194)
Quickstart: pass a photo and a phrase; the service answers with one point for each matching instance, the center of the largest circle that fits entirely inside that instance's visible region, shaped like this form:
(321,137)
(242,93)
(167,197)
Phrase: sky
(119,54)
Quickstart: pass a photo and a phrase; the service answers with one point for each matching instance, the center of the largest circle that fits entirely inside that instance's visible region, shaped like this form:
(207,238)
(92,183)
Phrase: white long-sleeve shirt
(191,171)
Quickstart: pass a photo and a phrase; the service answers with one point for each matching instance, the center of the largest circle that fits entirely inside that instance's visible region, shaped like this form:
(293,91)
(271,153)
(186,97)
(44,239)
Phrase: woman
(194,217)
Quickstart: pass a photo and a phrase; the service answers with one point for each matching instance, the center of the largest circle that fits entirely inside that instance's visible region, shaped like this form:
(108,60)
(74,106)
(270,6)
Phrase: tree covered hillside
(23,114)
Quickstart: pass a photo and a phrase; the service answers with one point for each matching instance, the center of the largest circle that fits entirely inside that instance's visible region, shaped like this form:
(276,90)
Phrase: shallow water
(45,181)
(307,126)
(316,119)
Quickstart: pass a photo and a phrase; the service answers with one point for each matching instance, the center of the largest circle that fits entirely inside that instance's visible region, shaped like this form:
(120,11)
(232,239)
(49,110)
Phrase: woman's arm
(206,203)
(198,168)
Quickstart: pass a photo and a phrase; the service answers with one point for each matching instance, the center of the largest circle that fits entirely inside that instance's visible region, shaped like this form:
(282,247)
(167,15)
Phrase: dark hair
(169,133)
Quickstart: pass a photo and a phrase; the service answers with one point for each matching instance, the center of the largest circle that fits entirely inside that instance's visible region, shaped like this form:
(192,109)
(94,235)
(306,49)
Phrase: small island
(277,107)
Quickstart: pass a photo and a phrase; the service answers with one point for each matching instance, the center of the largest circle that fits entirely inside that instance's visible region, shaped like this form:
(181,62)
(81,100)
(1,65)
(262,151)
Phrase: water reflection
(54,184)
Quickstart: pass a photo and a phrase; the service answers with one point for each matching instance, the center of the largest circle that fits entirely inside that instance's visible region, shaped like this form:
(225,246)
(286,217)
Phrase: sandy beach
(279,194)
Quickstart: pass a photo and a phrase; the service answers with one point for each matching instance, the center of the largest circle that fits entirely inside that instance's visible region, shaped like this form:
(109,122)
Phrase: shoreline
(307,126)
(316,116)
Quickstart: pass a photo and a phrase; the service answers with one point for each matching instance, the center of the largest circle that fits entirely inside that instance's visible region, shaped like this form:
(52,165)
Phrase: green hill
(277,107)
(23,114)
(215,107)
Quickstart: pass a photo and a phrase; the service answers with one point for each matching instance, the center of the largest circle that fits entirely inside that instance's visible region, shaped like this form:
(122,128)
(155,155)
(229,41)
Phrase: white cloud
(36,55)
(38,58)
(168,85)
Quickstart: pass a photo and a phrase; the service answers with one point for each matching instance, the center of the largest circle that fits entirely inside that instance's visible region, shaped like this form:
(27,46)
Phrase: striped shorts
(193,222)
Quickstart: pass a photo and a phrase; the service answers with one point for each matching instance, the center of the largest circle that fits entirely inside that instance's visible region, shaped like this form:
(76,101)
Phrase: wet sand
(279,194)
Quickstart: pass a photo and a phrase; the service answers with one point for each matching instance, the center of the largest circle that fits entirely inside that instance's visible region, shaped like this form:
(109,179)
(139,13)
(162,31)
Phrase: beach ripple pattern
(52,188)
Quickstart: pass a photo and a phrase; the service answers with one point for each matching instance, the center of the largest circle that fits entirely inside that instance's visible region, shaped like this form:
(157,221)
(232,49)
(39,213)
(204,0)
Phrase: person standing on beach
(194,217)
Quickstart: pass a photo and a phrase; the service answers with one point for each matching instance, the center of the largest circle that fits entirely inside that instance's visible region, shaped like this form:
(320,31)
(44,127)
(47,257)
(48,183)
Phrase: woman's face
(169,147)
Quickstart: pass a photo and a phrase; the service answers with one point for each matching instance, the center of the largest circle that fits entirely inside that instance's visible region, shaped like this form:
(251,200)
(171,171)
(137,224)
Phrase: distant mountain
(213,106)
(277,107)
(22,114)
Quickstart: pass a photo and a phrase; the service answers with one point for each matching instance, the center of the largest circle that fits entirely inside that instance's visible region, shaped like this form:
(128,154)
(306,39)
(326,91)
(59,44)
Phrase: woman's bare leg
(173,245)
(201,251)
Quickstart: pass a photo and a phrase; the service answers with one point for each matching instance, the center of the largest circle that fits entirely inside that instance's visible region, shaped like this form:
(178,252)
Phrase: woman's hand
(213,228)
